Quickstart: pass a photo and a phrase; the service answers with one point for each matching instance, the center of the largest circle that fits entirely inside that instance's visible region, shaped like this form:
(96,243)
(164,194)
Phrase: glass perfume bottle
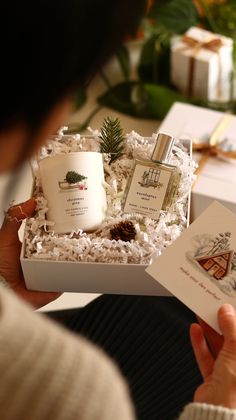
(154,183)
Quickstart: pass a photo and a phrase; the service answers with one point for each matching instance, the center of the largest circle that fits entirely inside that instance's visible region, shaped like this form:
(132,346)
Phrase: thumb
(15,215)
(227,323)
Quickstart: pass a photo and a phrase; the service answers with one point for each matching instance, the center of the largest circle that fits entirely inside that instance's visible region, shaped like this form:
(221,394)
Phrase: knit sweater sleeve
(47,373)
(197,411)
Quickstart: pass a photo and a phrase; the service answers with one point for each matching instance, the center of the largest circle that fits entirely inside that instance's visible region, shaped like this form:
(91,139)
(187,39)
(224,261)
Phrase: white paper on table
(196,123)
(201,128)
(189,268)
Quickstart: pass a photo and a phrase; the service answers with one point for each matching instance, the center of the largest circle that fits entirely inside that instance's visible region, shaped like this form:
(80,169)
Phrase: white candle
(73,185)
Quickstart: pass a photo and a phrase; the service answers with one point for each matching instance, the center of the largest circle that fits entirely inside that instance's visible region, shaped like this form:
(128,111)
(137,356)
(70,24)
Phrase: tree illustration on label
(150,178)
(73,180)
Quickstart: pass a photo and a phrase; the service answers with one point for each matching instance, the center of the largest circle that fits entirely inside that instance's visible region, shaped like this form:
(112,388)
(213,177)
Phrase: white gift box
(217,181)
(202,71)
(86,277)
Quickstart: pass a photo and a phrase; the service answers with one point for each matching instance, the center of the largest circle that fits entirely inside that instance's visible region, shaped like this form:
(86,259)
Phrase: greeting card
(200,267)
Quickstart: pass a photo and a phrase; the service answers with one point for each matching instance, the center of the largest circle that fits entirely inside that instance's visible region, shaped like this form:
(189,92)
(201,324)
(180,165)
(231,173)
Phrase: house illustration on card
(216,265)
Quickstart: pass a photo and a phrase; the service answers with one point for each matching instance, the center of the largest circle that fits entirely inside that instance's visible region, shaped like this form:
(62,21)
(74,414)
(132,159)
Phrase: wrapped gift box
(217,180)
(47,274)
(202,65)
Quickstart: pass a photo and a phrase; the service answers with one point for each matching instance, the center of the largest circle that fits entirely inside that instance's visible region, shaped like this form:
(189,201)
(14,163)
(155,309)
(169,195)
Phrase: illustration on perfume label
(151,178)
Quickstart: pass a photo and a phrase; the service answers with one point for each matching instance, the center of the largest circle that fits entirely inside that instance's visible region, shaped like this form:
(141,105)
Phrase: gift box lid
(217,180)
(202,36)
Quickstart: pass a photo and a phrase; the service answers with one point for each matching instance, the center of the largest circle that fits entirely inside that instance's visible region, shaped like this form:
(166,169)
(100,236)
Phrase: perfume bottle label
(147,191)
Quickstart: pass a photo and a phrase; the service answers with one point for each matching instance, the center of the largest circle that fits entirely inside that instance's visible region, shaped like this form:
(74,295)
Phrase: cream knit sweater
(48,373)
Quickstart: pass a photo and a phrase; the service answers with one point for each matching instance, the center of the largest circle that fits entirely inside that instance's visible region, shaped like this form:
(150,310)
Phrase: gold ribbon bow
(213,45)
(191,43)
(213,146)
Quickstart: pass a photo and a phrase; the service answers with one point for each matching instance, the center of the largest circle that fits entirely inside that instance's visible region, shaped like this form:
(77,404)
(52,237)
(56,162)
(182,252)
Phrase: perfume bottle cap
(163,147)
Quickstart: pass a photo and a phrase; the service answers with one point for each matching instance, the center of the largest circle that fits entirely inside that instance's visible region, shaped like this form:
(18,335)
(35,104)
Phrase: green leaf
(141,100)
(148,60)
(80,98)
(175,15)
(124,61)
(160,99)
(119,98)
(75,128)
(154,65)
(223,17)
(208,20)
(234,55)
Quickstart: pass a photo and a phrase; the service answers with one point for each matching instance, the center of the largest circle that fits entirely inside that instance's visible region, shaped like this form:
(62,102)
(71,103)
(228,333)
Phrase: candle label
(74,182)
(73,185)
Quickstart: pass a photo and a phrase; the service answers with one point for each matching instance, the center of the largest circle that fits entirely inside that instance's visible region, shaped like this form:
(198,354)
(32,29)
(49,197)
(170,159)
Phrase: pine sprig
(112,138)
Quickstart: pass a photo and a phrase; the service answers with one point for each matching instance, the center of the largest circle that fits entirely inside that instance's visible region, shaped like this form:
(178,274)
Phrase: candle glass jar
(73,185)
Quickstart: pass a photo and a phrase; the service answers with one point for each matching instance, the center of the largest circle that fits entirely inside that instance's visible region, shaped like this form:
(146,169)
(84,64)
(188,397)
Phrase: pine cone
(125,231)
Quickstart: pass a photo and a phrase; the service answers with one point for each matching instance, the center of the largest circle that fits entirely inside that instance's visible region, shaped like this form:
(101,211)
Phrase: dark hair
(49,47)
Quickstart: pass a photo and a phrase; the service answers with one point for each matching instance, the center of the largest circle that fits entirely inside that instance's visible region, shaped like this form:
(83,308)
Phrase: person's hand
(219,375)
(10,248)
(214,340)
